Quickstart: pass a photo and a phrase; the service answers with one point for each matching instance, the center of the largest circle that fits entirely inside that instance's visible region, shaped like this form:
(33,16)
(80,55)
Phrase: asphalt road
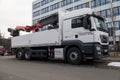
(13,69)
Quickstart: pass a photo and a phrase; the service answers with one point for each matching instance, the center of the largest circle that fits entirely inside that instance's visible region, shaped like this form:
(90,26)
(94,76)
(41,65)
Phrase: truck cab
(87,29)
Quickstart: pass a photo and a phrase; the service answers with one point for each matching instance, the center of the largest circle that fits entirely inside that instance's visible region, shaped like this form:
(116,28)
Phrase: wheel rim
(27,55)
(19,54)
(73,55)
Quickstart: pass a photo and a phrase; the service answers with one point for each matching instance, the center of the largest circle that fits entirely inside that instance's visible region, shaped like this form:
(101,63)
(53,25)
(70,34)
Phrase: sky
(14,13)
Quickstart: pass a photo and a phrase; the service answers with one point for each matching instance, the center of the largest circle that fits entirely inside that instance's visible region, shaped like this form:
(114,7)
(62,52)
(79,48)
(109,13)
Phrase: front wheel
(74,56)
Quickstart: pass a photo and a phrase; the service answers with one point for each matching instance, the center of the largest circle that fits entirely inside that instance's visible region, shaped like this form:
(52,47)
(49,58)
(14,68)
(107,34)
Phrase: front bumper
(95,51)
(103,52)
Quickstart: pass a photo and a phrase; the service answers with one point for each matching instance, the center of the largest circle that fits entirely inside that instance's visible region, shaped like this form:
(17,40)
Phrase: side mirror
(86,22)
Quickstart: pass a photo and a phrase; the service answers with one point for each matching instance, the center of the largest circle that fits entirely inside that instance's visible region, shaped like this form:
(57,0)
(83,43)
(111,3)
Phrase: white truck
(72,36)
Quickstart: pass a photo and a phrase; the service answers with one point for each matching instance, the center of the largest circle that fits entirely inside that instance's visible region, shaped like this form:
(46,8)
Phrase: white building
(44,8)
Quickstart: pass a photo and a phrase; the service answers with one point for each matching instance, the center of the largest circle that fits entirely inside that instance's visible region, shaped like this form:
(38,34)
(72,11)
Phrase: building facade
(109,9)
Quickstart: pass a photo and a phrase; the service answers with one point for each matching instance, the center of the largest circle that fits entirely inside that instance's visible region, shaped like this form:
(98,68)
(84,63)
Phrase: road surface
(13,69)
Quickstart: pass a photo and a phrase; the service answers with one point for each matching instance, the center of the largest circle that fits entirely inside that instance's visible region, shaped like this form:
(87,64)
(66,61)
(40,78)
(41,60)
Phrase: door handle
(76,36)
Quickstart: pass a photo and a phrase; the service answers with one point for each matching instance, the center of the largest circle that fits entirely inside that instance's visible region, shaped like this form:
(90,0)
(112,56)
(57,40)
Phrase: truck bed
(41,38)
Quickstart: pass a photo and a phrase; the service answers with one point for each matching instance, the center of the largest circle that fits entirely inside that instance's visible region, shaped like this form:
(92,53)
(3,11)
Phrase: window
(66,2)
(110,42)
(55,6)
(77,7)
(107,1)
(103,13)
(98,12)
(103,2)
(62,3)
(108,25)
(51,0)
(37,5)
(76,0)
(110,31)
(69,9)
(115,0)
(100,24)
(35,21)
(92,4)
(44,10)
(116,11)
(37,13)
(43,2)
(117,25)
(85,5)
(69,2)
(77,22)
(108,13)
(96,3)
(119,10)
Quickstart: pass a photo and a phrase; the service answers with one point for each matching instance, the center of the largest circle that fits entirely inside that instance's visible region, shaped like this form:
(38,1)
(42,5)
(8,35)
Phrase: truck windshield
(100,24)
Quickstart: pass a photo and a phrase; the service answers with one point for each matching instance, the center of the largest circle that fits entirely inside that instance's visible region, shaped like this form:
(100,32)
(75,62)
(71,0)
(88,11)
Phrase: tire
(74,56)
(20,54)
(2,54)
(28,54)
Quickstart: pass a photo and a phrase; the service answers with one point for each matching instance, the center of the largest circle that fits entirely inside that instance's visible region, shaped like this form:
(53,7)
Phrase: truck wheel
(28,55)
(20,54)
(2,54)
(74,56)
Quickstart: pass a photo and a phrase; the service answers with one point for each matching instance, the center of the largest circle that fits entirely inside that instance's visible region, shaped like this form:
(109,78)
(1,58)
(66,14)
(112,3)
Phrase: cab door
(73,29)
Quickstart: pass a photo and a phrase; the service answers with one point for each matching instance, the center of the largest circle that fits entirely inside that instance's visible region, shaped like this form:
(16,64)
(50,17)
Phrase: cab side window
(78,22)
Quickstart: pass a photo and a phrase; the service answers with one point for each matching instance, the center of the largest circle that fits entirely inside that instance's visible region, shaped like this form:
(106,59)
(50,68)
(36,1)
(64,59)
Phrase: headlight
(99,53)
(98,48)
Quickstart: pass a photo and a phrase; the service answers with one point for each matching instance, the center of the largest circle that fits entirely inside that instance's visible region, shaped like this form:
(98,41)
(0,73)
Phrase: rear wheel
(28,55)
(20,54)
(2,54)
(74,56)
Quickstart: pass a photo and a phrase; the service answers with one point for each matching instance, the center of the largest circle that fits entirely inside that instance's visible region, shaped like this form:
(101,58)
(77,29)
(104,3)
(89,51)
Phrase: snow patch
(115,64)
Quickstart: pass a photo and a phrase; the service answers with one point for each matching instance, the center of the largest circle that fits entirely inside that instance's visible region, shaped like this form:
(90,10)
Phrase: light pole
(113,27)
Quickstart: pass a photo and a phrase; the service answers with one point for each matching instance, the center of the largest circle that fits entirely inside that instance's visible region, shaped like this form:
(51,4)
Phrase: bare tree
(1,39)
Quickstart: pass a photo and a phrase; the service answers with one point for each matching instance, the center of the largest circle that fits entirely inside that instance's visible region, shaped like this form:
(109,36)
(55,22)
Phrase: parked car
(2,50)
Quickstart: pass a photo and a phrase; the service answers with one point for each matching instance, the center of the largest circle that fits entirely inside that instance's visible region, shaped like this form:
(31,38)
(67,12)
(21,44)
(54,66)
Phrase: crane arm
(15,32)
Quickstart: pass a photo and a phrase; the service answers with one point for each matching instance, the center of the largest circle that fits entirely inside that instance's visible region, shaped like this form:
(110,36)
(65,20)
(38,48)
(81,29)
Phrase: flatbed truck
(72,36)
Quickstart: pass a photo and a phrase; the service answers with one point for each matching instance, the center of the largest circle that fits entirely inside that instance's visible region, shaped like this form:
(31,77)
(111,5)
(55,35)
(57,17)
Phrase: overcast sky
(13,13)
